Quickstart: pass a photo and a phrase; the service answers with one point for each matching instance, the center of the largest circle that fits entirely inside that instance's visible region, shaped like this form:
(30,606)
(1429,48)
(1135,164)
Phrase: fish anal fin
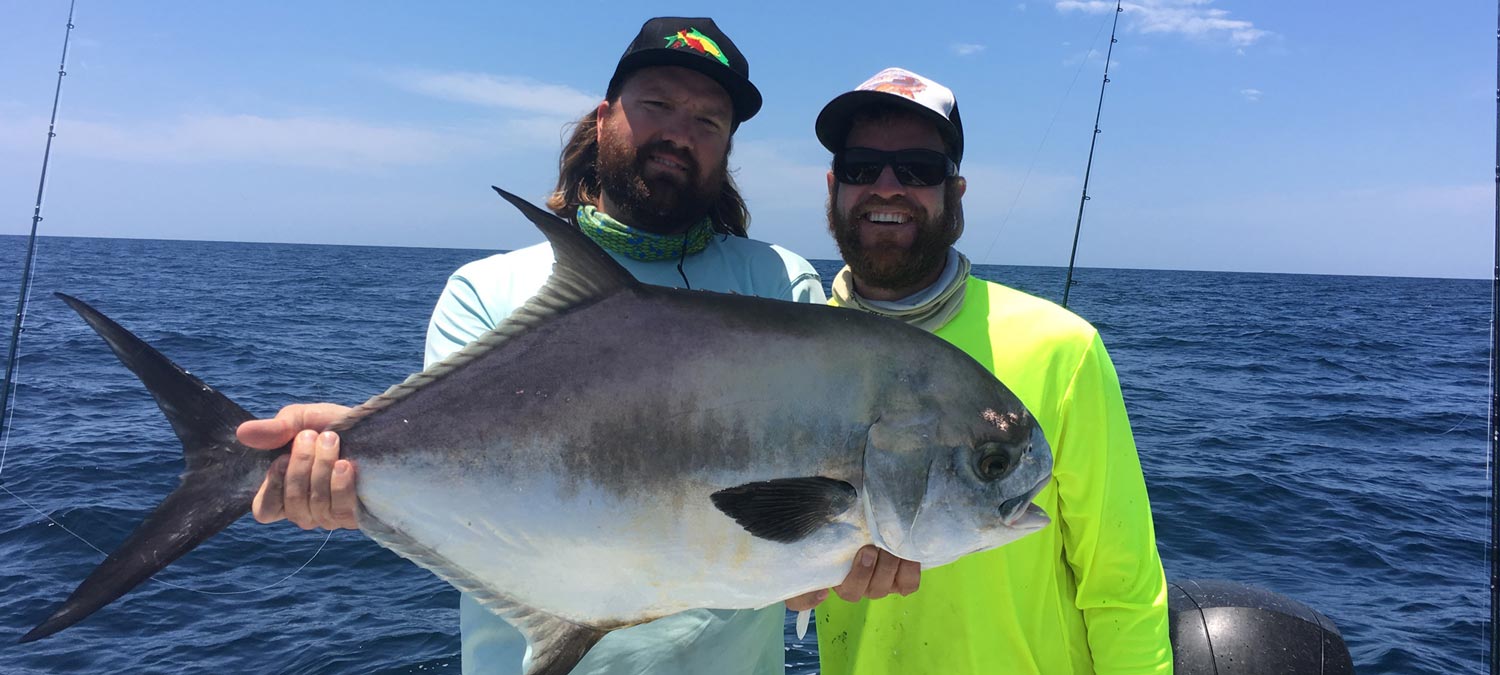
(557,645)
(786,509)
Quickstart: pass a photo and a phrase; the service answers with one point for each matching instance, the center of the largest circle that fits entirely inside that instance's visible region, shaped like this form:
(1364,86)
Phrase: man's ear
(960,181)
(600,113)
(831,184)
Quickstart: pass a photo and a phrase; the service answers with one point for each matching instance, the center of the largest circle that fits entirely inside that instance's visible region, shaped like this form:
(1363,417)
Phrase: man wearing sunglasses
(1086,594)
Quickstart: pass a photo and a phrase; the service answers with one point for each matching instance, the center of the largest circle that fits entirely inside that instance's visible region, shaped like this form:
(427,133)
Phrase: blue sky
(1322,137)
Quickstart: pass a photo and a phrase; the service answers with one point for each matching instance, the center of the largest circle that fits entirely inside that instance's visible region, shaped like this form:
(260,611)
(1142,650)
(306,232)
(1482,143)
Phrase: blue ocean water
(1322,437)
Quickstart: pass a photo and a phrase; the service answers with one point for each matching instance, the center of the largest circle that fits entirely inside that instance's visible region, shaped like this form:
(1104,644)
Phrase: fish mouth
(1020,513)
(1032,517)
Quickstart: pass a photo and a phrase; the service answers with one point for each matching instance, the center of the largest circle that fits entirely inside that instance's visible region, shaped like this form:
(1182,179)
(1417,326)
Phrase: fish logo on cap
(895,81)
(698,42)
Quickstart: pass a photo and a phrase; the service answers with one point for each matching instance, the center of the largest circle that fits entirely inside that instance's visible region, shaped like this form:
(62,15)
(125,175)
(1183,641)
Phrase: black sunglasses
(917,167)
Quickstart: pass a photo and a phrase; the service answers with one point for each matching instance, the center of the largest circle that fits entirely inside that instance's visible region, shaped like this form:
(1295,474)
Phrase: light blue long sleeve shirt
(731,642)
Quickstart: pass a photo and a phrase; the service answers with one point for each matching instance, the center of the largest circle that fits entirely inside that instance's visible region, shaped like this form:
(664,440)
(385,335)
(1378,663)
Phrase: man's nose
(678,128)
(886,183)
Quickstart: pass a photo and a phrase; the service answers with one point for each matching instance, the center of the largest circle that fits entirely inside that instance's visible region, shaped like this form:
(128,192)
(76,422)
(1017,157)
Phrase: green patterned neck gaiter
(613,235)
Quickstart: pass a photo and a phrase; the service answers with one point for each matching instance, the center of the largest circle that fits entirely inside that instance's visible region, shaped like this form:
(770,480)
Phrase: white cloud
(966,48)
(1471,202)
(1366,230)
(1090,55)
(322,142)
(784,182)
(300,141)
(1017,203)
(1191,18)
(1251,95)
(498,91)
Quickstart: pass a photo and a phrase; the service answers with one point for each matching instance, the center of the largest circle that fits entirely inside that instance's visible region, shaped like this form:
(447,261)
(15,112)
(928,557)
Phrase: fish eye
(994,462)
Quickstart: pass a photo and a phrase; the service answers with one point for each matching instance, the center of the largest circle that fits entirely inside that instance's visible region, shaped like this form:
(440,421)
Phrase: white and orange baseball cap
(900,87)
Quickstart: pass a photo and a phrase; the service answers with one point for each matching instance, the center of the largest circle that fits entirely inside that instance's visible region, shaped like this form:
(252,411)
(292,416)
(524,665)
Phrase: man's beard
(885,264)
(662,204)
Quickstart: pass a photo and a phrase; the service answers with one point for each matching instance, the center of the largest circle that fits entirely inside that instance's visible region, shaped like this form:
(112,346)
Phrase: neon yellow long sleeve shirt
(1085,594)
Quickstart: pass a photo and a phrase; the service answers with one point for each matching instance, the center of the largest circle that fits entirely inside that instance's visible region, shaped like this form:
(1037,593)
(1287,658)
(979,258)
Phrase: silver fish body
(614,453)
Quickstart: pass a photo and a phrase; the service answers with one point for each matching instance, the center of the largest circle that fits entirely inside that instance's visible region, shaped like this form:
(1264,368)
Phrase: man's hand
(875,574)
(311,487)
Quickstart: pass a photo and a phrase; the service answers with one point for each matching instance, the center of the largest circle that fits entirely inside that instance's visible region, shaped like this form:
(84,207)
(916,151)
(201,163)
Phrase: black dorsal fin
(580,269)
(582,273)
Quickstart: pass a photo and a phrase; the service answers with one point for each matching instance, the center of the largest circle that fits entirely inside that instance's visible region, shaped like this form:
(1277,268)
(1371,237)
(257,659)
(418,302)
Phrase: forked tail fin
(217,489)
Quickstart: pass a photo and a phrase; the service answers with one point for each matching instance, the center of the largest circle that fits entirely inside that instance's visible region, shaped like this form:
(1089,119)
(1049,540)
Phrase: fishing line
(102,552)
(7,389)
(1078,227)
(1492,636)
(1466,415)
(8,385)
(1036,155)
(4,450)
(278,582)
(9,419)
(1487,640)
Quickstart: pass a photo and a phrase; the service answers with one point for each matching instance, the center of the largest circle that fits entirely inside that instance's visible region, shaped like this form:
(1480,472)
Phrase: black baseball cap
(901,88)
(695,43)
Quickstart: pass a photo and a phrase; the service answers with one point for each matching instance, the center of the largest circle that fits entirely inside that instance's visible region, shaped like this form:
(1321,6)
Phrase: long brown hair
(578,181)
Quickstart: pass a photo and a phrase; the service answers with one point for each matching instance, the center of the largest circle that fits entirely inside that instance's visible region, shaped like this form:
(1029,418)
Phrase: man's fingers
(320,484)
(260,434)
(875,574)
(267,504)
(304,488)
(345,509)
(311,487)
(273,433)
(908,577)
(883,581)
(807,601)
(299,480)
(858,580)
(278,431)
(316,416)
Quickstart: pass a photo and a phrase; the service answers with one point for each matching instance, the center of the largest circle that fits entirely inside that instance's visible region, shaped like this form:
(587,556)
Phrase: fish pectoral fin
(786,509)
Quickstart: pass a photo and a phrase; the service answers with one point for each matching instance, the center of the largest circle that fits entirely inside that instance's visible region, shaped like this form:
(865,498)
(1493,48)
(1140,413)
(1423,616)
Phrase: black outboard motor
(1228,628)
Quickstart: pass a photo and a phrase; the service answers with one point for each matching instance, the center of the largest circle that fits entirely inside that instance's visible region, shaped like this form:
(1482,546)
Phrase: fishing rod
(15,336)
(1078,227)
(36,217)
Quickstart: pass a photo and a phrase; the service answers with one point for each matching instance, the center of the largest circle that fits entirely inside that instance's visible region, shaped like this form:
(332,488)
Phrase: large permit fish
(616,452)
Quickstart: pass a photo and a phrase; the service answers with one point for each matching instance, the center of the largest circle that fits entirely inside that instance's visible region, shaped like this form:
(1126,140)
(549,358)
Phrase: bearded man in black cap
(645,175)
